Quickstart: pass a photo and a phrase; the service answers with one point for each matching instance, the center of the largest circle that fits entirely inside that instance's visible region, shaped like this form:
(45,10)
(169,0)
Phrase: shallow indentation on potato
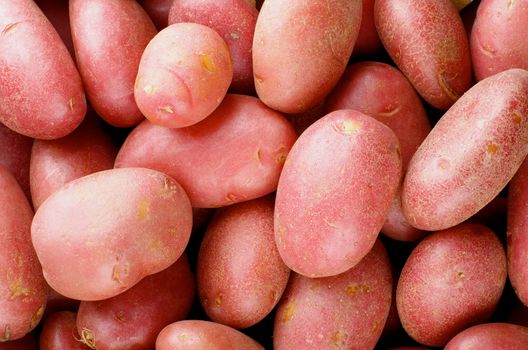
(282,154)
(10,27)
(167,109)
(491,148)
(17,290)
(35,319)
(231,198)
(443,164)
(329,223)
(149,89)
(258,79)
(258,155)
(348,127)
(218,299)
(143,210)
(517,117)
(88,338)
(375,327)
(207,62)
(168,189)
(120,317)
(339,338)
(7,334)
(444,85)
(510,3)
(289,310)
(389,110)
(71,103)
(460,274)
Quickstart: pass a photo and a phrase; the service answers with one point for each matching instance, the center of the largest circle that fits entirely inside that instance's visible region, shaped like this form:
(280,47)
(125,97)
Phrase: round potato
(490,336)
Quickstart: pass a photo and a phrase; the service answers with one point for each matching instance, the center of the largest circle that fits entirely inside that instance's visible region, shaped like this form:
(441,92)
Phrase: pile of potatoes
(237,174)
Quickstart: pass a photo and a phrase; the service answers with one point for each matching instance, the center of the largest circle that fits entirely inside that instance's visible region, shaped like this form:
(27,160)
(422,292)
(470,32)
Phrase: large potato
(490,336)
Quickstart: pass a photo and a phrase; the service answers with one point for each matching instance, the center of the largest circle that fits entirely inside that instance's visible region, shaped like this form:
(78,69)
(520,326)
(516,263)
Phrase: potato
(300,50)
(60,332)
(22,286)
(158,11)
(198,335)
(453,279)
(183,75)
(427,40)
(240,273)
(57,13)
(109,37)
(15,156)
(41,93)
(235,21)
(28,342)
(133,319)
(57,302)
(470,155)
(331,200)
(235,155)
(368,41)
(99,235)
(497,41)
(490,336)
(347,311)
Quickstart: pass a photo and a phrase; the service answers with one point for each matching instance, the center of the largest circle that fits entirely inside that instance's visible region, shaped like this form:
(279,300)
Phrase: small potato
(453,279)
(16,155)
(99,235)
(199,335)
(183,75)
(158,10)
(347,311)
(490,336)
(60,332)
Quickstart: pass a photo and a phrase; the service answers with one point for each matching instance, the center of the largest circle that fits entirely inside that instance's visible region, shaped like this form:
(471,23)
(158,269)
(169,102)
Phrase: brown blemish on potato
(525,330)
(440,77)
(10,27)
(183,336)
(115,274)
(167,109)
(207,62)
(120,317)
(18,261)
(71,103)
(218,299)
(491,148)
(273,296)
(289,310)
(348,127)
(510,3)
(168,189)
(258,156)
(517,117)
(443,164)
(339,338)
(149,89)
(88,338)
(375,327)
(282,154)
(460,274)
(389,111)
(234,36)
(353,289)
(35,319)
(143,210)
(17,290)
(231,198)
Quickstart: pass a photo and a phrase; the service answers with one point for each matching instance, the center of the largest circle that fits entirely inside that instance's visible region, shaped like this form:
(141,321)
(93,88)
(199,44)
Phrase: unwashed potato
(59,332)
(491,336)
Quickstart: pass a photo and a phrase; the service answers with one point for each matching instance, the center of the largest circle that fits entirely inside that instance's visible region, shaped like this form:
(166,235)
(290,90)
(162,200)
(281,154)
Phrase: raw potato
(15,156)
(99,235)
(331,199)
(28,342)
(470,155)
(301,48)
(41,93)
(57,13)
(368,41)
(490,336)
(158,11)
(60,332)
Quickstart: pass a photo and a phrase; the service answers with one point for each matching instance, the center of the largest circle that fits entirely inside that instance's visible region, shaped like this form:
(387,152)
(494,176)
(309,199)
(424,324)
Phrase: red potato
(23,290)
(158,10)
(133,319)
(235,21)
(498,40)
(101,234)
(301,121)
(57,13)
(234,155)
(427,40)
(490,336)
(183,75)
(300,50)
(347,311)
(44,100)
(453,279)
(331,200)
(470,155)
(16,155)
(57,302)
(60,332)
(28,342)
(368,41)
(198,335)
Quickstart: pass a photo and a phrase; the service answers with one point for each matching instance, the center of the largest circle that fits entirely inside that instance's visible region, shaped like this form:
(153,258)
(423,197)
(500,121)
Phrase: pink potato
(453,279)
(158,10)
(470,155)
(368,41)
(183,75)
(101,234)
(347,311)
(334,193)
(23,290)
(428,42)
(240,273)
(41,93)
(60,333)
(498,38)
(235,21)
(199,335)
(300,50)
(16,155)
(133,319)
(234,155)
(490,336)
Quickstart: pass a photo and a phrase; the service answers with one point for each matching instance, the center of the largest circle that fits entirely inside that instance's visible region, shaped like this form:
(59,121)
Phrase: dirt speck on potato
(207,62)
(88,338)
(10,27)
(143,210)
(289,310)
(17,290)
(37,315)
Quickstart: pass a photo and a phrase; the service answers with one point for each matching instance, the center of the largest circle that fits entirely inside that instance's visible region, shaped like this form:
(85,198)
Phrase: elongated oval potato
(334,193)
(23,290)
(490,336)
(347,311)
(109,37)
(453,279)
(428,42)
(99,235)
(16,156)
(234,155)
(301,49)
(60,332)
(183,75)
(41,93)
(470,155)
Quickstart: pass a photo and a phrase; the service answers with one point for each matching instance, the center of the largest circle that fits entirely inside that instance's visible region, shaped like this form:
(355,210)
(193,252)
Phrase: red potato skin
(28,342)
(235,21)
(428,42)
(158,10)
(44,100)
(250,139)
(453,279)
(16,155)
(347,311)
(319,231)
(57,302)
(60,332)
(368,41)
(198,335)
(490,336)
(23,290)
(297,62)
(240,273)
(109,37)
(498,41)
(470,155)
(57,13)
(133,320)
(101,234)
(301,121)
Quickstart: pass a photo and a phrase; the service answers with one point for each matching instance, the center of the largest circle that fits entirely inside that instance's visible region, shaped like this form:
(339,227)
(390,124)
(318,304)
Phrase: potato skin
(57,13)
(183,75)
(240,273)
(319,230)
(470,155)
(368,41)
(60,332)
(44,100)
(490,336)
(16,155)
(428,42)
(158,10)
(251,140)
(452,280)
(347,311)
(23,290)
(297,62)
(101,234)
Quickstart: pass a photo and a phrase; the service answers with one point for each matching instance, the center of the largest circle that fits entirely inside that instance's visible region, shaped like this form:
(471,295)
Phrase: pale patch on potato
(389,110)
(149,89)
(491,148)
(17,290)
(207,62)
(7,334)
(339,338)
(218,299)
(183,336)
(444,85)
(234,36)
(348,127)
(143,210)
(289,310)
(329,223)
(35,319)
(88,338)
(10,27)
(167,109)
(510,3)
(354,288)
